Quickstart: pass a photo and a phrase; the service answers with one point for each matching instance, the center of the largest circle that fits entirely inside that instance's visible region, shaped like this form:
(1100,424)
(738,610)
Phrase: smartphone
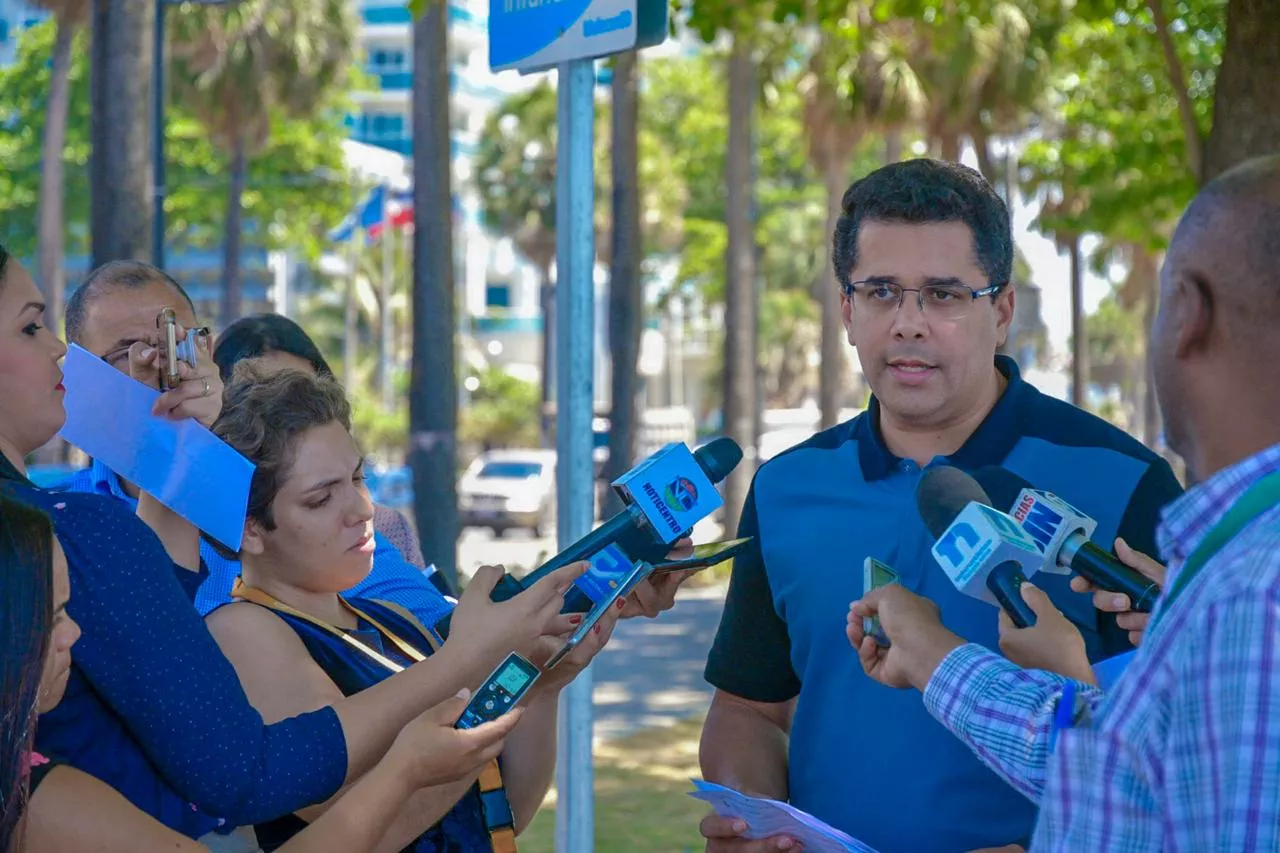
(641,571)
(875,574)
(501,692)
(704,556)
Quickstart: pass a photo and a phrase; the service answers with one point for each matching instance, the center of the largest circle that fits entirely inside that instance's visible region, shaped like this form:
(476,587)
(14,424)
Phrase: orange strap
(503,836)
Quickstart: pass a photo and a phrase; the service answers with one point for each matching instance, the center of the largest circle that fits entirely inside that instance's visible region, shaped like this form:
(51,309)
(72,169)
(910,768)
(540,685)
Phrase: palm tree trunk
(49,237)
(547,304)
(625,308)
(119,177)
(1246,122)
(433,395)
(235,231)
(892,145)
(1178,81)
(982,148)
(740,292)
(1079,346)
(949,144)
(831,364)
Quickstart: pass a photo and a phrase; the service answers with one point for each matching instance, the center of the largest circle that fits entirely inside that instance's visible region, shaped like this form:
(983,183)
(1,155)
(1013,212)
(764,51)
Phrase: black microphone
(1063,532)
(983,552)
(628,530)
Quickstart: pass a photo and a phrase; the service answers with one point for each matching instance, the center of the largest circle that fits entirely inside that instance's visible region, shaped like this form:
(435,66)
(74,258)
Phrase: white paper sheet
(765,818)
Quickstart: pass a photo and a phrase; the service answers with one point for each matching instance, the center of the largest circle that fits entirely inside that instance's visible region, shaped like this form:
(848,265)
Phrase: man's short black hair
(925,191)
(125,274)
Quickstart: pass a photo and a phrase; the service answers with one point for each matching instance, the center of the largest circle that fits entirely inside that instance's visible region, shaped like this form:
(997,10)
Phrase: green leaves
(295,190)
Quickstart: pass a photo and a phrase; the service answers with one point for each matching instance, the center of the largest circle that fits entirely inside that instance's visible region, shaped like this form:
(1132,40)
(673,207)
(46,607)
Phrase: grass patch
(641,793)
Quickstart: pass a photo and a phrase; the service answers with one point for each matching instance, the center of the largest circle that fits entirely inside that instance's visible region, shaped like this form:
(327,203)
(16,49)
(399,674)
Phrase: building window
(497,296)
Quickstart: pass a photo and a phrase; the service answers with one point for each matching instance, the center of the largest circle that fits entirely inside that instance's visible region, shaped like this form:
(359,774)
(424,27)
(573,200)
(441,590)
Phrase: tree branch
(1195,141)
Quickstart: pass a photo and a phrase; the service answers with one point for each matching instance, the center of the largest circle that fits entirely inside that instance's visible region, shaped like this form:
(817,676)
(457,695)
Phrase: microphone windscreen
(718,457)
(942,494)
(1001,485)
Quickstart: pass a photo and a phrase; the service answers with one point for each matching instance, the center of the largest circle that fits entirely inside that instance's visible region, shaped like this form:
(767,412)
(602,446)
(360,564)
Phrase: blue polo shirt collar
(989,444)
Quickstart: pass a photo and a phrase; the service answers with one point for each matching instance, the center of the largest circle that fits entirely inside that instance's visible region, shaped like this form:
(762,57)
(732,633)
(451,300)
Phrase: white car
(505,489)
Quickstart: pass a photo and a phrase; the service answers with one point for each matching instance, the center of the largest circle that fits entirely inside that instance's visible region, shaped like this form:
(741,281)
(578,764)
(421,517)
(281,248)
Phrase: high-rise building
(16,16)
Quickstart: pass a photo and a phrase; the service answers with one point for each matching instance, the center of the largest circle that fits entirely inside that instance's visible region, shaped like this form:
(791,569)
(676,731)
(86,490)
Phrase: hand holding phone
(876,574)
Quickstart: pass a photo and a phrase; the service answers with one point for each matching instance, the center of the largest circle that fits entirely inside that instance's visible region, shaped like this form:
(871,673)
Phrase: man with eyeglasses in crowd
(923,252)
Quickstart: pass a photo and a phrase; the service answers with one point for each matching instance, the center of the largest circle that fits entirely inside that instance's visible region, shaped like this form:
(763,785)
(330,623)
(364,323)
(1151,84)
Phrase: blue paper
(180,463)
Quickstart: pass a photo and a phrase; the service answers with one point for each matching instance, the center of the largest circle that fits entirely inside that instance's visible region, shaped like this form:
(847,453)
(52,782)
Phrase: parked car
(505,489)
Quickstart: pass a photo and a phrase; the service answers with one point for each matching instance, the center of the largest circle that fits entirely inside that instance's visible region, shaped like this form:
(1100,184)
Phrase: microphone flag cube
(670,490)
(1050,521)
(980,539)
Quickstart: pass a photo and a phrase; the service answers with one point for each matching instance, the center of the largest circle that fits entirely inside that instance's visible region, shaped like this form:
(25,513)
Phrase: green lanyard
(1261,496)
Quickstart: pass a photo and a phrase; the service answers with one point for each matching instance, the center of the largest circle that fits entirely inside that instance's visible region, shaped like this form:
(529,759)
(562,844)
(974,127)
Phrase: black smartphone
(704,556)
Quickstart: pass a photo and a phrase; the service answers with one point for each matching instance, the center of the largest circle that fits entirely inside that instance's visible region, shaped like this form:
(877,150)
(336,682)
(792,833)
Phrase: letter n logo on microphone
(948,547)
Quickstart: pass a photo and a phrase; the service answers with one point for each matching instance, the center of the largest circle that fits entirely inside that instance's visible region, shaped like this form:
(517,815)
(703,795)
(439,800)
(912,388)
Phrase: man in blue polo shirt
(923,252)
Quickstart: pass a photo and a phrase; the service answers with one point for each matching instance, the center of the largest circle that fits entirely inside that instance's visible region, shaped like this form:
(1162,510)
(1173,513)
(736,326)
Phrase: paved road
(651,671)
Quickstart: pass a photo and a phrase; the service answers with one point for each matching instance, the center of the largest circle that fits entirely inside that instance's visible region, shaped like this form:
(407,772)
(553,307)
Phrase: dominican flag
(369,215)
(399,212)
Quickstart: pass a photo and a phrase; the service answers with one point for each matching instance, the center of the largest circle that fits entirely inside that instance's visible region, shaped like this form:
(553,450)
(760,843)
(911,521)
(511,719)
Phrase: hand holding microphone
(1062,533)
(1133,621)
(1053,643)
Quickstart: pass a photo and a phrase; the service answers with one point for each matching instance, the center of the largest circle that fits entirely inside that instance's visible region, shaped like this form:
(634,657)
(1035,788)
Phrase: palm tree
(625,303)
(516,180)
(119,180)
(433,395)
(243,63)
(856,85)
(69,17)
(740,298)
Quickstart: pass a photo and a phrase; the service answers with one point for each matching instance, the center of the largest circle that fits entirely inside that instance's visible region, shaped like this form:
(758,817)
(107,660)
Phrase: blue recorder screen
(512,679)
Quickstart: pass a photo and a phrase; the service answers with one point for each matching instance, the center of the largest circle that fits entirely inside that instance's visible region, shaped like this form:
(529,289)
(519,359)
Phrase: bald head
(1229,238)
(115,275)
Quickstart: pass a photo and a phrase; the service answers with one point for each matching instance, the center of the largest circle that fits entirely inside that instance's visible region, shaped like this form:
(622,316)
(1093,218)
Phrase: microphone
(1063,532)
(663,497)
(985,553)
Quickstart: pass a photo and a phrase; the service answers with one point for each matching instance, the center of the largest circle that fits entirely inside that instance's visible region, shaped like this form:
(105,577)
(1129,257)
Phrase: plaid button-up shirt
(1183,754)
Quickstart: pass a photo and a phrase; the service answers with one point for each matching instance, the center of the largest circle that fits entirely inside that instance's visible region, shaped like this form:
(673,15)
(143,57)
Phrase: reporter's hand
(433,752)
(1118,603)
(198,395)
(918,640)
(494,629)
(555,679)
(1053,643)
(724,835)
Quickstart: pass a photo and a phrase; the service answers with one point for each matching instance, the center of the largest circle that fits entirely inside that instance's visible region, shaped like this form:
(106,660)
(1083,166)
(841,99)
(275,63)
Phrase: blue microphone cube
(670,490)
(980,539)
(1049,520)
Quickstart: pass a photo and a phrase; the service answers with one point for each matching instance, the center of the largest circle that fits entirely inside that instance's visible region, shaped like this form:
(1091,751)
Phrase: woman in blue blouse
(299,646)
(152,707)
(47,807)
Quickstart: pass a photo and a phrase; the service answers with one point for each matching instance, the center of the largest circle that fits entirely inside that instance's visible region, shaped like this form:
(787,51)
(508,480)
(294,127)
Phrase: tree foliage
(295,192)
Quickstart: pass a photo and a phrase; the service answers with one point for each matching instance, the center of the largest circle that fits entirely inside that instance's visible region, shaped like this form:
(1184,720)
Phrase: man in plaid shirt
(1184,753)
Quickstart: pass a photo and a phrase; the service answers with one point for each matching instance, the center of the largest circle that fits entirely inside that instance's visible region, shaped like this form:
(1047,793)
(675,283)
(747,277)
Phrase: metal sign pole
(575,297)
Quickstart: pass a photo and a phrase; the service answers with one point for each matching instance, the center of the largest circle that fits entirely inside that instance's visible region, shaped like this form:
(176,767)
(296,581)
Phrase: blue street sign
(531,35)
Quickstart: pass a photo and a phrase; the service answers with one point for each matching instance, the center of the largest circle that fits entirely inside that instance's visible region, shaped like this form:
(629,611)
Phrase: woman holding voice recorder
(298,646)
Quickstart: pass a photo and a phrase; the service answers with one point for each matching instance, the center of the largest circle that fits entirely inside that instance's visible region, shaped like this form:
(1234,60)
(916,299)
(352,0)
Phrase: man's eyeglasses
(945,301)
